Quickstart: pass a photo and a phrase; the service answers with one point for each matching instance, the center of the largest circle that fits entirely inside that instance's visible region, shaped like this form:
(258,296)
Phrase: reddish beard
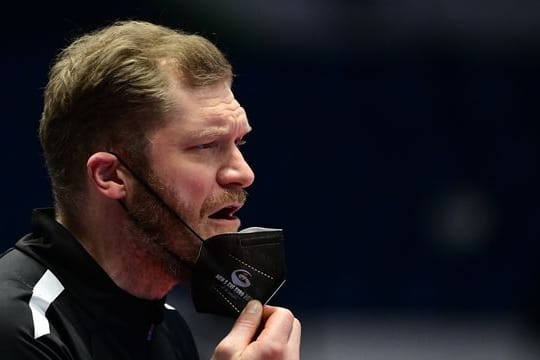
(162,231)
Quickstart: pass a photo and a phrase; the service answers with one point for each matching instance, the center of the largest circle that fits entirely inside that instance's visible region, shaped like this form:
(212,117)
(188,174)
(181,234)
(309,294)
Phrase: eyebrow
(213,131)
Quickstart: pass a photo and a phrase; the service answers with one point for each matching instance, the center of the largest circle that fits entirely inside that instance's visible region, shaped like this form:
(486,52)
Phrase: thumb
(242,332)
(247,324)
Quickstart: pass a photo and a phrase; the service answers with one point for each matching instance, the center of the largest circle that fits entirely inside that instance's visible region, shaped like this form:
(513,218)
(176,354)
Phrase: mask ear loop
(155,195)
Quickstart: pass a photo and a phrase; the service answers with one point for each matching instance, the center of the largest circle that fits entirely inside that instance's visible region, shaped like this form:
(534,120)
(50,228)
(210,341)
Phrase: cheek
(195,189)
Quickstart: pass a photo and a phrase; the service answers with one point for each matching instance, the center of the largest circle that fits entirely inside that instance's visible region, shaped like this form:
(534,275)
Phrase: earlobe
(104,175)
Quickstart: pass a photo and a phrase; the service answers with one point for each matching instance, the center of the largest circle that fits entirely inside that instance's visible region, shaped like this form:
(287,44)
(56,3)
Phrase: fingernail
(253,307)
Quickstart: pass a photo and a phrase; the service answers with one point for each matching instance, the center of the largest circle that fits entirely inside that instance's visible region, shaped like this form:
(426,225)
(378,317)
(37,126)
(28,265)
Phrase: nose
(236,172)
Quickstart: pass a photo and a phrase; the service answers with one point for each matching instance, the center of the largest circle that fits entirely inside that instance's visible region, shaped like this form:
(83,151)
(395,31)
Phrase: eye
(206,145)
(240,142)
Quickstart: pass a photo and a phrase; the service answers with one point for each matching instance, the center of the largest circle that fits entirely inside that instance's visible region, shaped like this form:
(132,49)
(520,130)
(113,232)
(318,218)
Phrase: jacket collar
(55,247)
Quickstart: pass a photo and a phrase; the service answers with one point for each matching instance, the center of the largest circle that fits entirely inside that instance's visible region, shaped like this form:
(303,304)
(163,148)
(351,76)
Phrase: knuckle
(273,351)
(286,314)
(245,323)
(224,350)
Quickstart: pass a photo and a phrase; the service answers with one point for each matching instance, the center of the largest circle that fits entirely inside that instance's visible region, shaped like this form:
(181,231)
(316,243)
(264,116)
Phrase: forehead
(207,109)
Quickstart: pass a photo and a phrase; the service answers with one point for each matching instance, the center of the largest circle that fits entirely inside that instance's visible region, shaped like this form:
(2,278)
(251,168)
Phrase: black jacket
(56,302)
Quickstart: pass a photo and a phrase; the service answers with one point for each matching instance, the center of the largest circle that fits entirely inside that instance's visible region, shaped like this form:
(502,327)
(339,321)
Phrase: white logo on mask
(241,277)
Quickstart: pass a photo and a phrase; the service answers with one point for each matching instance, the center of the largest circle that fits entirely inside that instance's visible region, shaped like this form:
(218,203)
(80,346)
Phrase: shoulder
(19,274)
(18,337)
(17,324)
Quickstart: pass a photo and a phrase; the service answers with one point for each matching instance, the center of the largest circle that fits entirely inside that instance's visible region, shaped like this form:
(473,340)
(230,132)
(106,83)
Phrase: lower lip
(226,222)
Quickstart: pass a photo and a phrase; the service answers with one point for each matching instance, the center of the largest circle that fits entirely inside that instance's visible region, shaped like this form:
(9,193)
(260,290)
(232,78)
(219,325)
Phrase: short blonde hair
(110,88)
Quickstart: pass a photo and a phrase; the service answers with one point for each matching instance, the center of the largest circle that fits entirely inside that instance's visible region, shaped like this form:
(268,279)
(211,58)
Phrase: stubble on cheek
(161,233)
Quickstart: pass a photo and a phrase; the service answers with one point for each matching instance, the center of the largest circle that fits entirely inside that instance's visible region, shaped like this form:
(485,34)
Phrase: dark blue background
(397,145)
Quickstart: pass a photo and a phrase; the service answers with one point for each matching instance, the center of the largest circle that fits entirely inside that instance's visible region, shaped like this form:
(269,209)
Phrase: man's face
(197,168)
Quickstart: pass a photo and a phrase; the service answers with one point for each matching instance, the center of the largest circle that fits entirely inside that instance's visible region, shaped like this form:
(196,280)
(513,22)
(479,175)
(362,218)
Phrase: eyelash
(205,146)
(212,144)
(240,142)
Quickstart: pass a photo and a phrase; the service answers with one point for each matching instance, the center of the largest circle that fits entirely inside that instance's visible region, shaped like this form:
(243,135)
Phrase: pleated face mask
(234,268)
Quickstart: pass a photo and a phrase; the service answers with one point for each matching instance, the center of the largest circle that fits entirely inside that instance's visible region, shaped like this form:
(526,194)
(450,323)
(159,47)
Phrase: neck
(123,253)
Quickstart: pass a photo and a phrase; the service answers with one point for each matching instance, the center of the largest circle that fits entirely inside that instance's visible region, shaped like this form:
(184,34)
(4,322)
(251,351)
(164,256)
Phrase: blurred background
(396,142)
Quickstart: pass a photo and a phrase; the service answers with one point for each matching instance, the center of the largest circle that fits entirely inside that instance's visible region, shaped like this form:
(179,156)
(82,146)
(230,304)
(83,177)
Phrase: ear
(105,175)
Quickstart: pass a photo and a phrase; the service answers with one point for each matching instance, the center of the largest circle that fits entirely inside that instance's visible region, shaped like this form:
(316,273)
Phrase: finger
(293,347)
(242,332)
(278,324)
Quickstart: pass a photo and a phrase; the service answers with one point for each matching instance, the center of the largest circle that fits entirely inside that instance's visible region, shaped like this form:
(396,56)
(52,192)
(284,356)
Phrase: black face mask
(232,268)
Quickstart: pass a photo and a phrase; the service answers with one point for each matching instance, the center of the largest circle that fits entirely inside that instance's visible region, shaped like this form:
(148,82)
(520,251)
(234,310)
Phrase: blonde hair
(109,90)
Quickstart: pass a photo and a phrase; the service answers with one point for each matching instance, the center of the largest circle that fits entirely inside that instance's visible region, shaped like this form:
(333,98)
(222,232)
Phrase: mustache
(234,195)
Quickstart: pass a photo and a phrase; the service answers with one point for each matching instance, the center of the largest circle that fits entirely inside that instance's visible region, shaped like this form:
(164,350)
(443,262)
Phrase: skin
(196,165)
(278,339)
(198,154)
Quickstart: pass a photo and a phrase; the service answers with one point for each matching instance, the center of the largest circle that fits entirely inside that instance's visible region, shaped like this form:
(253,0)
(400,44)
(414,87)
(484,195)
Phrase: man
(141,135)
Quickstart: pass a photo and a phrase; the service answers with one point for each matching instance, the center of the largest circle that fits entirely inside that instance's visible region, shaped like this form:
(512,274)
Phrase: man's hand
(261,333)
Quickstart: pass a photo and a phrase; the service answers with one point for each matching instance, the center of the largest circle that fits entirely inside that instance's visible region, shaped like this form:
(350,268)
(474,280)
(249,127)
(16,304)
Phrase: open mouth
(227,213)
